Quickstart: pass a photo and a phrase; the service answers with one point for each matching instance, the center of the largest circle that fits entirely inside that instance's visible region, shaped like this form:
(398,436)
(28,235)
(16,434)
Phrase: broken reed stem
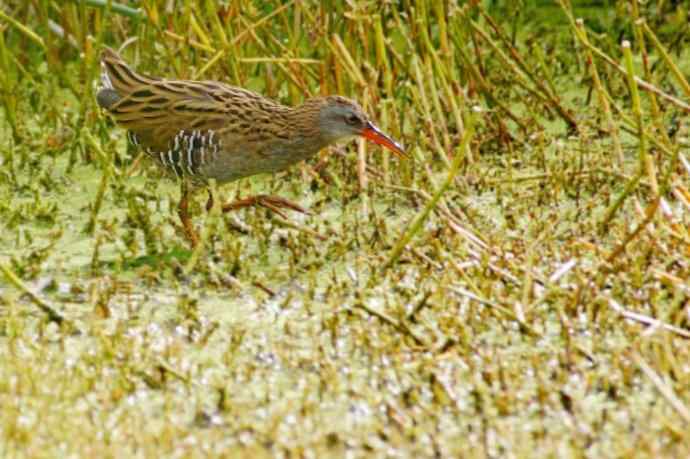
(450,97)
(107,164)
(618,202)
(386,154)
(382,58)
(663,388)
(9,98)
(13,279)
(651,211)
(646,160)
(678,75)
(211,10)
(339,49)
(401,326)
(118,8)
(657,115)
(647,320)
(552,98)
(211,62)
(601,94)
(484,87)
(441,113)
(630,126)
(362,157)
(642,84)
(521,78)
(416,224)
(30,34)
(420,94)
(646,163)
(198,30)
(509,313)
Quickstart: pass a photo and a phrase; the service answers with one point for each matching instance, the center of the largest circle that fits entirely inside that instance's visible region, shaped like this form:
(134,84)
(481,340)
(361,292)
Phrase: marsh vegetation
(519,287)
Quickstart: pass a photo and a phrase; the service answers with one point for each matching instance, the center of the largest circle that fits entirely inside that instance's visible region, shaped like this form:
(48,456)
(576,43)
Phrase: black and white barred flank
(187,152)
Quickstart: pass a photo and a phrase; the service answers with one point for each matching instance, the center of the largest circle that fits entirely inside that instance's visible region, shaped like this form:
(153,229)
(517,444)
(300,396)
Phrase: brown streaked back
(156,109)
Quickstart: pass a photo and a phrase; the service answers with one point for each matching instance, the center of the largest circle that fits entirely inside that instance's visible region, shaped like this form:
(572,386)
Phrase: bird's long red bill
(374,134)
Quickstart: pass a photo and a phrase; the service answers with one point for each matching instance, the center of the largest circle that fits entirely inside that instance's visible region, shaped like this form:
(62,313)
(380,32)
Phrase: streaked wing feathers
(156,109)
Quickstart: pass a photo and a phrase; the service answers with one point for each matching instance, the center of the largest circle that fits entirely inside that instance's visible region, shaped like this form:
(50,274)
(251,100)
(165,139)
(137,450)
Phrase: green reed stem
(601,94)
(33,36)
(680,78)
(106,162)
(417,223)
(646,161)
(118,8)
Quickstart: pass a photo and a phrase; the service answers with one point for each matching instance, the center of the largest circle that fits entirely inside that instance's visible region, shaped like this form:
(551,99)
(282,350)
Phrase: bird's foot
(272,203)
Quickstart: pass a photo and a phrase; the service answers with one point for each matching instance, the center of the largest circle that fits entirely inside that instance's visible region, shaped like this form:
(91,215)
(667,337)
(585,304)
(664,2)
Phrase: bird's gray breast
(238,160)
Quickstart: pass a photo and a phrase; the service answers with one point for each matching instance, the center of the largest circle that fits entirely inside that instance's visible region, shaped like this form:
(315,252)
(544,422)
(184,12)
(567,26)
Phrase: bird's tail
(117,79)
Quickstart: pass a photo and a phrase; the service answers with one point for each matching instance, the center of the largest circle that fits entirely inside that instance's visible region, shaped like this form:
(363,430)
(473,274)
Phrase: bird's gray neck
(305,138)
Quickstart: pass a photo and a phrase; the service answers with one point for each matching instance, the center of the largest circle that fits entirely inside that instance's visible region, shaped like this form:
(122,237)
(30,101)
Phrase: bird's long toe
(273,203)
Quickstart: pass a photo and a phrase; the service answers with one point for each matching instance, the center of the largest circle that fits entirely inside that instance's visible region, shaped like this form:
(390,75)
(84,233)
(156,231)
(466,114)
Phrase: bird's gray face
(342,119)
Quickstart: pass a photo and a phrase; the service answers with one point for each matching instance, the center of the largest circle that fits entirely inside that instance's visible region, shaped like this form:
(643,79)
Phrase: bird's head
(340,118)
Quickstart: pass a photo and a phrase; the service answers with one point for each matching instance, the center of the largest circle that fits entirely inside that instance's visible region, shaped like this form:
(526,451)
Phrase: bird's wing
(157,111)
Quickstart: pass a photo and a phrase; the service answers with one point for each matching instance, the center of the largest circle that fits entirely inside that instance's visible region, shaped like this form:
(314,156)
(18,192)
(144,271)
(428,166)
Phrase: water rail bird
(203,130)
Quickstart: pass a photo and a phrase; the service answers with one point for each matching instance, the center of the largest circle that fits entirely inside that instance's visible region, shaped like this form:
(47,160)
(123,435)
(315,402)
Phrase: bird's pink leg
(183,213)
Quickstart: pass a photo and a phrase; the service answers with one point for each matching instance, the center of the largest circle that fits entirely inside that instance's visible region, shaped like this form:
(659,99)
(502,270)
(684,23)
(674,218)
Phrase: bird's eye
(352,119)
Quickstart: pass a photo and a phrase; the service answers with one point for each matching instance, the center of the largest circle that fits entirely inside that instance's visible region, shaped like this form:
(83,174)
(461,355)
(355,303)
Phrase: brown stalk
(552,98)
